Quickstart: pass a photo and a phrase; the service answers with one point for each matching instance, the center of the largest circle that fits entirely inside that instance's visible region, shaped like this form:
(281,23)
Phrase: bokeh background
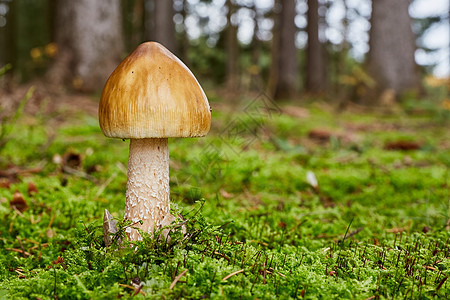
(347,50)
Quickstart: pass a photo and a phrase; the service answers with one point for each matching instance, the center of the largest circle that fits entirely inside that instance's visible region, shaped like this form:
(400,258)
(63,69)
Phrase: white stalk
(147,197)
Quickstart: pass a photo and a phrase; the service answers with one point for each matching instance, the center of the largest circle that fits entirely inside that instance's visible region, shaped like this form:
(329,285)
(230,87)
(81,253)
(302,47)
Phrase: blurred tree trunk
(315,66)
(160,24)
(184,44)
(52,13)
(284,70)
(232,49)
(392,44)
(8,40)
(255,69)
(274,50)
(7,33)
(137,24)
(90,43)
(133,12)
(341,66)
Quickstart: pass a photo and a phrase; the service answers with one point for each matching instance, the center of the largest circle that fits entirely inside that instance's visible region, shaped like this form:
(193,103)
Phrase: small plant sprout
(150,97)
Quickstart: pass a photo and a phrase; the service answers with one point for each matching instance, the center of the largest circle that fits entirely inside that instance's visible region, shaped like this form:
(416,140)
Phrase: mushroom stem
(147,197)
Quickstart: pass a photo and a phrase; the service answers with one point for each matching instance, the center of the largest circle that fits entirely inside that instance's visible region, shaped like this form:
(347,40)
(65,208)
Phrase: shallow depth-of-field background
(326,173)
(279,201)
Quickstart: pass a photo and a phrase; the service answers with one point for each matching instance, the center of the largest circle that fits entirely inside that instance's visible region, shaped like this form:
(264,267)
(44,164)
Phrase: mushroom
(150,97)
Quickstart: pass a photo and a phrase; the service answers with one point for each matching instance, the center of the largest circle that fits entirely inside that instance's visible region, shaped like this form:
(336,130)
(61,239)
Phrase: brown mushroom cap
(152,94)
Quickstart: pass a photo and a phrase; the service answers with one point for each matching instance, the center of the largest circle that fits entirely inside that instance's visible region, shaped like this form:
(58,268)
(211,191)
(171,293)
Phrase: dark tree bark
(183,42)
(255,72)
(8,49)
(90,42)
(392,44)
(137,24)
(7,34)
(52,13)
(285,68)
(274,51)
(232,49)
(161,25)
(315,66)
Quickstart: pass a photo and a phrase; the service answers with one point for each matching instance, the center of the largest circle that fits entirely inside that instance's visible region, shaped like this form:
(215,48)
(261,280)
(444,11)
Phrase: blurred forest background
(345,50)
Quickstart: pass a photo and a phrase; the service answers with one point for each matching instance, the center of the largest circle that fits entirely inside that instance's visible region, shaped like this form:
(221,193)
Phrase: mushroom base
(147,196)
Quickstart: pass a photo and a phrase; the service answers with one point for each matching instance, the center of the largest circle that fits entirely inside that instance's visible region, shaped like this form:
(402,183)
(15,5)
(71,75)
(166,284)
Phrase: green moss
(249,207)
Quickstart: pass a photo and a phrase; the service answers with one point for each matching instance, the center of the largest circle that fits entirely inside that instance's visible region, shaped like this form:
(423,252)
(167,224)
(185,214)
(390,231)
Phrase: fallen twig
(177,278)
(78,173)
(15,171)
(21,246)
(132,288)
(354,232)
(232,274)
(19,251)
(441,283)
(138,290)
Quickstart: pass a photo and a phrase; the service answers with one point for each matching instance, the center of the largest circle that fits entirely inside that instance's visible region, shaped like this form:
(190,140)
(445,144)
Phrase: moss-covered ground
(279,201)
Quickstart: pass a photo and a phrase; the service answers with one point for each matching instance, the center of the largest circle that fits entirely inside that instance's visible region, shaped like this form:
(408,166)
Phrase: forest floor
(280,201)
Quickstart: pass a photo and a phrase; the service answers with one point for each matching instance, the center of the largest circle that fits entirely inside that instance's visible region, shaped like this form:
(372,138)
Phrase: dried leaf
(282,225)
(225,194)
(93,169)
(109,228)
(320,135)
(59,260)
(402,145)
(327,201)
(296,112)
(32,189)
(5,183)
(426,229)
(72,160)
(311,179)
(18,202)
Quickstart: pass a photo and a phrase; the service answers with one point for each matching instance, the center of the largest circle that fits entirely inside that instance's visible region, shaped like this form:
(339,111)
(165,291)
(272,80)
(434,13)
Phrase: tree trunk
(90,42)
(232,49)
(315,65)
(137,24)
(274,51)
(162,27)
(256,83)
(7,33)
(8,41)
(183,42)
(392,44)
(287,69)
